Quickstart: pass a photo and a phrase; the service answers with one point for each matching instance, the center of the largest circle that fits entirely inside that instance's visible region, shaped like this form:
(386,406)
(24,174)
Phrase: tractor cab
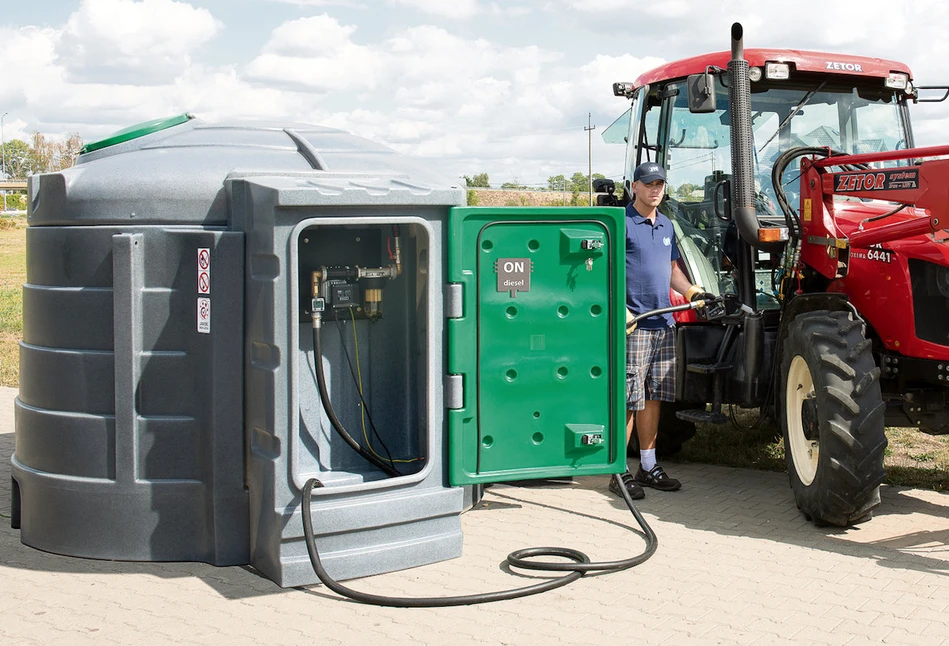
(848,104)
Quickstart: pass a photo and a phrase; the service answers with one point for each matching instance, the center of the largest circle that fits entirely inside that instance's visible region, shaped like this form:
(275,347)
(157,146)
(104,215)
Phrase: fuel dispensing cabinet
(241,299)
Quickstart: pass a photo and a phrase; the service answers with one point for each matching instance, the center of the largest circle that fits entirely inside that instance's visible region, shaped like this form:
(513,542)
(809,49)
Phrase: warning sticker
(204,315)
(204,271)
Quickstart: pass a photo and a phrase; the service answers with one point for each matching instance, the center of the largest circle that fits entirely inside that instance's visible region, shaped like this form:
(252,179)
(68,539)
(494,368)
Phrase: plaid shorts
(650,366)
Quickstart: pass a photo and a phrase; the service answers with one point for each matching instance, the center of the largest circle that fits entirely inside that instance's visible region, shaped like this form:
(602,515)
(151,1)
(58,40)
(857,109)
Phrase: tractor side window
(696,155)
(649,138)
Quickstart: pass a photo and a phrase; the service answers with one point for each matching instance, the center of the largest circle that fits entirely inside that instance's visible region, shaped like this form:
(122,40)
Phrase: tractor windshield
(846,119)
(695,149)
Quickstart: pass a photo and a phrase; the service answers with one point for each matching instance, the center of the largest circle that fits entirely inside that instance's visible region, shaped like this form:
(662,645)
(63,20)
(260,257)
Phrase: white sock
(647,459)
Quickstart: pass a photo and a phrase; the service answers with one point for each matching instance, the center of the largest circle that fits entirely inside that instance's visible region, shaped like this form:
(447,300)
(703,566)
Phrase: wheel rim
(803,439)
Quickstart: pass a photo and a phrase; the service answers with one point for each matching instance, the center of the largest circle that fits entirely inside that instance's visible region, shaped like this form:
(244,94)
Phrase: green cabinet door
(536,343)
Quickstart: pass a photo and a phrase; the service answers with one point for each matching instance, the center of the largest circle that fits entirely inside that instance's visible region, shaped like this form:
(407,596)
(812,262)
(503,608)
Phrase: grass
(912,459)
(12,277)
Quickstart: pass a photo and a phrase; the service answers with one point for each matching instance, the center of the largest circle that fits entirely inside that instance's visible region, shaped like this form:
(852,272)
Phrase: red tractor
(798,196)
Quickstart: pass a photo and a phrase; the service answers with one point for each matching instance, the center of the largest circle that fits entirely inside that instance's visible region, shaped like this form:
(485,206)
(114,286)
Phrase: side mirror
(701,93)
(604,185)
(609,187)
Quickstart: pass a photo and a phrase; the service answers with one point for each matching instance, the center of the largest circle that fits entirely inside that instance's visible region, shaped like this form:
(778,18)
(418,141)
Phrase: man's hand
(703,296)
(696,294)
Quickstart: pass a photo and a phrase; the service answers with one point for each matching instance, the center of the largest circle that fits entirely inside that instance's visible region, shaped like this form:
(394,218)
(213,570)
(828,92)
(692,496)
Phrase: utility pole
(3,159)
(590,128)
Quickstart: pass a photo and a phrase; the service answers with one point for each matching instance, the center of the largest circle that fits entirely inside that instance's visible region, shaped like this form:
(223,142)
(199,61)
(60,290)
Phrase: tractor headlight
(942,281)
(897,80)
(777,71)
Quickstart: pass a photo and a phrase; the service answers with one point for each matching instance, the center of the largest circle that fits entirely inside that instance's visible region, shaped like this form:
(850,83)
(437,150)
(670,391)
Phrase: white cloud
(316,54)
(470,86)
(636,12)
(423,66)
(221,94)
(28,56)
(453,9)
(146,42)
(315,35)
(433,94)
(323,3)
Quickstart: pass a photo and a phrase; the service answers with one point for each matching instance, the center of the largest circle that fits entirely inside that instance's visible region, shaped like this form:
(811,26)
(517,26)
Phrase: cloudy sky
(502,87)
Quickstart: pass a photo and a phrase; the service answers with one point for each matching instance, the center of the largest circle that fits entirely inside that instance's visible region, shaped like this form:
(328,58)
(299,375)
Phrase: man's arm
(679,281)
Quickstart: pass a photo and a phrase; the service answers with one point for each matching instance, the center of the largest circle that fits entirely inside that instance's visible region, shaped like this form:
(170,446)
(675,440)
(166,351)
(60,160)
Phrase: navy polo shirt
(650,250)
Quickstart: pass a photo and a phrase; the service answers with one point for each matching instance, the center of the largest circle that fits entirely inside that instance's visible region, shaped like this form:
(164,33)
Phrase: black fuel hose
(694,305)
(388,469)
(518,559)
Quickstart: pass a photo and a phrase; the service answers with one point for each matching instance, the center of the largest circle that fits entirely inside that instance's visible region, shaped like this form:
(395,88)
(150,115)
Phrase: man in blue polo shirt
(651,268)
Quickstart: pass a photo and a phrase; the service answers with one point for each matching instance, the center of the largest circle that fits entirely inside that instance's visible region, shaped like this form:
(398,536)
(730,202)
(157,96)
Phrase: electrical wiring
(364,405)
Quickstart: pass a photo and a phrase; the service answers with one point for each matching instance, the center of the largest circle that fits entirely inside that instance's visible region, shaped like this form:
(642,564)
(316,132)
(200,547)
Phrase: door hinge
(454,392)
(454,303)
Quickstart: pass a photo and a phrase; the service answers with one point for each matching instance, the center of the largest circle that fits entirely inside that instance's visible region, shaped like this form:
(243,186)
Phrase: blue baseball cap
(649,172)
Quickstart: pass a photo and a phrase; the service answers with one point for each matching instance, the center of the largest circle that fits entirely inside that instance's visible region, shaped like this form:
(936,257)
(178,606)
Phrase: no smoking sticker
(204,271)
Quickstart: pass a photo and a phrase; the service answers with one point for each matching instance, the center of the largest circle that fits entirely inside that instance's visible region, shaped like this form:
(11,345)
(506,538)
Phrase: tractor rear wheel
(831,415)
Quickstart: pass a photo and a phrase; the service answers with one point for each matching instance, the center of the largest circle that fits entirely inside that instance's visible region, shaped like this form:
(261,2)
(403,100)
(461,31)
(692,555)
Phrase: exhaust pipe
(742,142)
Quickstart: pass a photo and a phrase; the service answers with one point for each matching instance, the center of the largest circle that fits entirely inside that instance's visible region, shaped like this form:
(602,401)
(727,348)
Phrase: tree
(478,181)
(579,183)
(513,185)
(69,150)
(17,155)
(49,155)
(556,183)
(686,190)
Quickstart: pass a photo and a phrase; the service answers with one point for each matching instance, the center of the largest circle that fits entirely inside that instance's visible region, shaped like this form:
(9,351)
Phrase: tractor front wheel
(831,414)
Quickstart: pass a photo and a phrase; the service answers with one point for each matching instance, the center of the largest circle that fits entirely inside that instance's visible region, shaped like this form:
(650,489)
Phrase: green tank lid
(136,131)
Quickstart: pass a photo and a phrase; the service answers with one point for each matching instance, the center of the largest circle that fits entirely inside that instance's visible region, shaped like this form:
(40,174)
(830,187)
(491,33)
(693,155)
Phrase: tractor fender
(831,301)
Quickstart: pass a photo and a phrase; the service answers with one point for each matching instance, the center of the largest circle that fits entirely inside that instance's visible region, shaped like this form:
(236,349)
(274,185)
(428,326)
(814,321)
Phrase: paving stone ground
(736,564)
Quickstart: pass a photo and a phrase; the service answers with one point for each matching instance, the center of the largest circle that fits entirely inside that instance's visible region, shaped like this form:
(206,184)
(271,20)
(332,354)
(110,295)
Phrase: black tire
(831,415)
(673,432)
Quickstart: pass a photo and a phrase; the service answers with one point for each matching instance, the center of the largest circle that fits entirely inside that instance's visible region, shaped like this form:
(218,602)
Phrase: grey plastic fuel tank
(168,405)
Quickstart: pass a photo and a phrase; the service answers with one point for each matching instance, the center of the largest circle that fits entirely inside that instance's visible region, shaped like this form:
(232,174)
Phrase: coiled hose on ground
(579,566)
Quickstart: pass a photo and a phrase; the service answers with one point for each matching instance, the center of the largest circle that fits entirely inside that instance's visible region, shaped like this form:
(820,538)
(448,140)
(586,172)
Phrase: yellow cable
(362,407)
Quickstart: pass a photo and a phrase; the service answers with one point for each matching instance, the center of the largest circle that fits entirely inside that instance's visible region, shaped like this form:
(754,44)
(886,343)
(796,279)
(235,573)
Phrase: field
(913,459)
(12,277)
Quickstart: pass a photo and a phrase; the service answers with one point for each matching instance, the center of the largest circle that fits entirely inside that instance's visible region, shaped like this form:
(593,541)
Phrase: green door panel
(539,344)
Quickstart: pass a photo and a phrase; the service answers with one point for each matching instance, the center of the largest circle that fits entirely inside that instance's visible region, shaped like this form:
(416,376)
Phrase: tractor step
(709,368)
(702,416)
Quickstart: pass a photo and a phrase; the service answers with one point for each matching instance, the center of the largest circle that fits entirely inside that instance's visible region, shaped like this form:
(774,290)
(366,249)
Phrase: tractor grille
(930,300)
